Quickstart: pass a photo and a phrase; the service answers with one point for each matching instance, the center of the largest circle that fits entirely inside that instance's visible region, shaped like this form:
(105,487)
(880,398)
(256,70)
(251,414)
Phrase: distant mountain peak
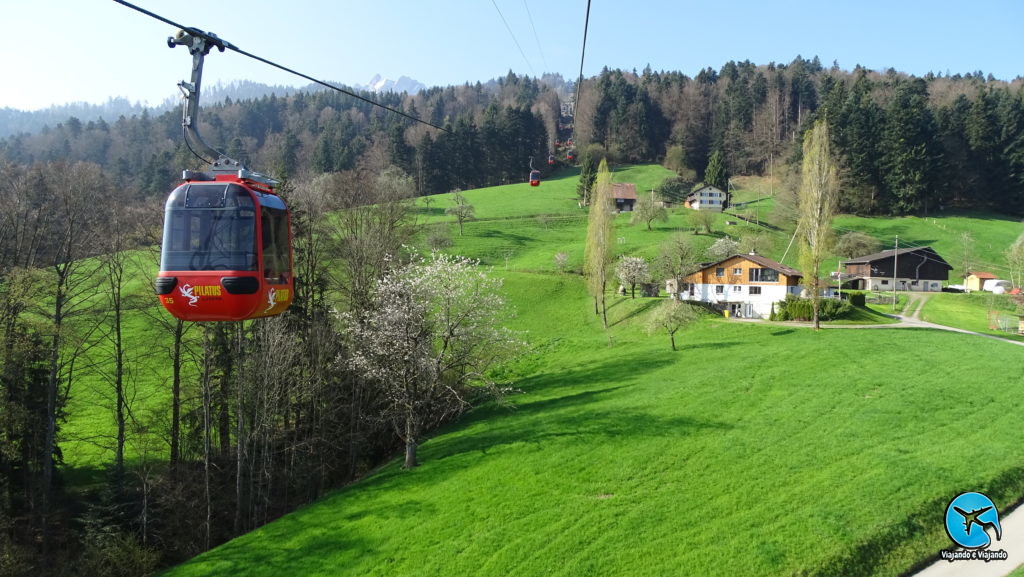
(404,84)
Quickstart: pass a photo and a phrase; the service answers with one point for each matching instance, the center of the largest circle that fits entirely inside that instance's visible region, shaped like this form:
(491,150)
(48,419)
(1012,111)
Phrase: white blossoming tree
(433,334)
(632,270)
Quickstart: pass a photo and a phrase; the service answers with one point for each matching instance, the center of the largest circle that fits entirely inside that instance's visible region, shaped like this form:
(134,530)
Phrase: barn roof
(624,190)
(927,251)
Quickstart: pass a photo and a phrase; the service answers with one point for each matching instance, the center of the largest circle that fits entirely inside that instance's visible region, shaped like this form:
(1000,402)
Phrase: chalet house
(624,194)
(746,285)
(707,197)
(905,269)
(976,280)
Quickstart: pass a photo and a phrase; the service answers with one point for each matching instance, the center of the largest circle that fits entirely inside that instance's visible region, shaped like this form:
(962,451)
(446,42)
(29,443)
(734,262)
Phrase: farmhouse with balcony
(905,269)
(745,285)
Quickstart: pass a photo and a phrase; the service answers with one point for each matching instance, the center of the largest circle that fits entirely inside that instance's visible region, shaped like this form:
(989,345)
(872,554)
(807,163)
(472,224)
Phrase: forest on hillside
(265,416)
(907,145)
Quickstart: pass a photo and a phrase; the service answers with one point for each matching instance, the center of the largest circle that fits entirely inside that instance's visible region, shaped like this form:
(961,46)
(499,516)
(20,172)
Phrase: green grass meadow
(755,449)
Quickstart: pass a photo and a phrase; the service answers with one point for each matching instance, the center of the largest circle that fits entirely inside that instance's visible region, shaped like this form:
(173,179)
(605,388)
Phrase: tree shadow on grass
(577,413)
(642,309)
(518,239)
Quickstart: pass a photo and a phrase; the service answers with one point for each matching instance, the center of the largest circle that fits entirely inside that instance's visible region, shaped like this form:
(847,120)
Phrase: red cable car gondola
(534,178)
(551,160)
(226,253)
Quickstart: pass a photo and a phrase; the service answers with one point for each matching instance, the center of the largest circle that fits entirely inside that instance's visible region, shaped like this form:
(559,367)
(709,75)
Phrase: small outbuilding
(975,281)
(624,194)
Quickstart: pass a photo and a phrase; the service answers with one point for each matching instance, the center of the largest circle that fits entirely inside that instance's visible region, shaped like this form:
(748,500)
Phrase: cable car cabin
(551,159)
(571,155)
(534,178)
(226,252)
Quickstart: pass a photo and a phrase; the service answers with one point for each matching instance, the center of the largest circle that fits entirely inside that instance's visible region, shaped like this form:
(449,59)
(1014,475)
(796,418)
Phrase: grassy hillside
(753,450)
(773,444)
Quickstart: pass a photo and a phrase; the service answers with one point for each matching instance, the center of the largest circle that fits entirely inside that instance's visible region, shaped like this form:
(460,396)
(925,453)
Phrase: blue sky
(58,51)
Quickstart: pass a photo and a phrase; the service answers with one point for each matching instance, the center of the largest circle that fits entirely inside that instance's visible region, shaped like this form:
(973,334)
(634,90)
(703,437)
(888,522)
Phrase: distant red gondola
(534,178)
(551,160)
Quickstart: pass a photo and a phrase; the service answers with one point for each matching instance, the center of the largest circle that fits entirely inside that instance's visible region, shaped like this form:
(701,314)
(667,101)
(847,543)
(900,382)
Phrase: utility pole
(839,280)
(895,253)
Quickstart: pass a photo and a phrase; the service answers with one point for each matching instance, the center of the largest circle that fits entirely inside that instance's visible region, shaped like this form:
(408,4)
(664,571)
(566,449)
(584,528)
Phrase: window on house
(720,271)
(737,270)
(737,289)
(719,289)
(763,275)
(755,290)
(885,281)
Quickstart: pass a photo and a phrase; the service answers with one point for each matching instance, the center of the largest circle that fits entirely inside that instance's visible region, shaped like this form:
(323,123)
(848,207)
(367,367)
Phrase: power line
(535,37)
(579,81)
(224,45)
(512,34)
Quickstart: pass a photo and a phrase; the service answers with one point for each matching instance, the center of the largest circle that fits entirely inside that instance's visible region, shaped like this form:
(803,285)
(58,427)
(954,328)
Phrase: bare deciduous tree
(648,210)
(462,211)
(1015,258)
(856,243)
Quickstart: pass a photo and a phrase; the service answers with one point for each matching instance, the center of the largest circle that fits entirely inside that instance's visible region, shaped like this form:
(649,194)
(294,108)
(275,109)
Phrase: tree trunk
(410,455)
(410,442)
(119,396)
(672,336)
(604,308)
(50,438)
(176,397)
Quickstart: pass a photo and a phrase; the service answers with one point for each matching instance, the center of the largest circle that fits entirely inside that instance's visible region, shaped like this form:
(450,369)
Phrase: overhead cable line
(535,37)
(223,44)
(513,35)
(579,81)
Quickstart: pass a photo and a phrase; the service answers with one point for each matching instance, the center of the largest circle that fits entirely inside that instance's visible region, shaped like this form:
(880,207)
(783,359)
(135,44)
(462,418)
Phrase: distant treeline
(908,144)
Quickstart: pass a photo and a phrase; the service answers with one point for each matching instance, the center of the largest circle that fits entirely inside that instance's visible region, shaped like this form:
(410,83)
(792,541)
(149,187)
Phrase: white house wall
(903,284)
(761,305)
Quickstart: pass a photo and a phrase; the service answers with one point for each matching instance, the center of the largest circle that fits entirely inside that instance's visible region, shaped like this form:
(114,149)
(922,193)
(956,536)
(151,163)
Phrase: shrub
(798,309)
(858,299)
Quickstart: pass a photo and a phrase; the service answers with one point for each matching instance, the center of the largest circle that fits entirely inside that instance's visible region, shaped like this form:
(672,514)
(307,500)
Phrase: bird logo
(186,291)
(271,299)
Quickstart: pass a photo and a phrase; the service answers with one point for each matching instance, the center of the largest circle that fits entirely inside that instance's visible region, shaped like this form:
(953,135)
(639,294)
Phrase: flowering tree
(429,341)
(671,316)
(723,248)
(632,270)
